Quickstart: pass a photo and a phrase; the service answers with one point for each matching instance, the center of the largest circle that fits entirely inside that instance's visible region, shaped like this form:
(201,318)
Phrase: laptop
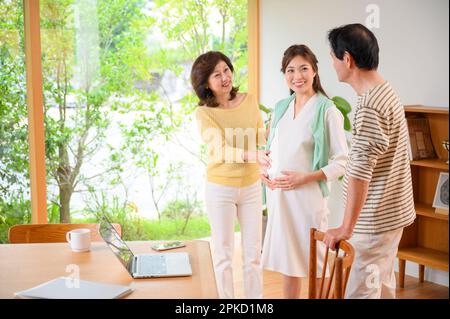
(144,265)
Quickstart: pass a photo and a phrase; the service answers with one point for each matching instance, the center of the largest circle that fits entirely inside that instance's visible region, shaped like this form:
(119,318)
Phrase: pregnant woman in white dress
(308,149)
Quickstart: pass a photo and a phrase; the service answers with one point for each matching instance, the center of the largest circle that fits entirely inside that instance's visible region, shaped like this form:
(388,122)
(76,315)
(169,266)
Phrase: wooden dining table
(23,266)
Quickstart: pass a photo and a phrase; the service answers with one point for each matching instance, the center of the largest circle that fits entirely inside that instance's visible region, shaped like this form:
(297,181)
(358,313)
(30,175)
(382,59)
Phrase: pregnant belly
(277,168)
(288,159)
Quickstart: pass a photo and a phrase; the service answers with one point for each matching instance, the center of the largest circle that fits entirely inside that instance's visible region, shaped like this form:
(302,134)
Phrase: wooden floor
(273,284)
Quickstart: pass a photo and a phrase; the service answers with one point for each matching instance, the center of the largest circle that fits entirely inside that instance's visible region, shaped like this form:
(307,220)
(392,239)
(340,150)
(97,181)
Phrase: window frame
(36,130)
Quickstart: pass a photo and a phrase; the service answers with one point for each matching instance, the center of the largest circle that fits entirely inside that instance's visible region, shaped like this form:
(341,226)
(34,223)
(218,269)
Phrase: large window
(120,133)
(15,205)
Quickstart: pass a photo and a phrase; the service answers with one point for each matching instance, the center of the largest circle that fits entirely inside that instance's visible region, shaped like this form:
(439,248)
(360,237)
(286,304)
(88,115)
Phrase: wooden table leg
(421,272)
(401,273)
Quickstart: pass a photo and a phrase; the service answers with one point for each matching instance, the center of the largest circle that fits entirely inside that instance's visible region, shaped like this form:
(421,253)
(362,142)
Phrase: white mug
(79,239)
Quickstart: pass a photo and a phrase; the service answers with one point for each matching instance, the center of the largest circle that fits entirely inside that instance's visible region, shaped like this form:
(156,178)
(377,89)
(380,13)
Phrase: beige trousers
(223,205)
(372,275)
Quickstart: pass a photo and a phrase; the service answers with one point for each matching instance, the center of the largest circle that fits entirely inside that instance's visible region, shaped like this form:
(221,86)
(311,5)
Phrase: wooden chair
(339,268)
(50,233)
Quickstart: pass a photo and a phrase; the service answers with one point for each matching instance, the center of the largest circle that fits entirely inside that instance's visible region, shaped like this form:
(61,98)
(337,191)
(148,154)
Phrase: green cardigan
(318,126)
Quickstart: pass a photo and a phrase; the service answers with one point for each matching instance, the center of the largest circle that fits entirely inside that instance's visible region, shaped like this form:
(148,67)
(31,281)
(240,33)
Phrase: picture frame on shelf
(441,196)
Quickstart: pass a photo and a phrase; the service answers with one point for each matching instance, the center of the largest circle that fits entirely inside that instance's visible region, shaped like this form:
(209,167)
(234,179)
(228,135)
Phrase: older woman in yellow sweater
(231,125)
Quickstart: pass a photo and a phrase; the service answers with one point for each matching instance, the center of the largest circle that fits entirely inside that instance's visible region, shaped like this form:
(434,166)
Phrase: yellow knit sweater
(228,133)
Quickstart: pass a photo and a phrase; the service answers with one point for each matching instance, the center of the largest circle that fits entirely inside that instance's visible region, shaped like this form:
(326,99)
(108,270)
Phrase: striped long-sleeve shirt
(379,155)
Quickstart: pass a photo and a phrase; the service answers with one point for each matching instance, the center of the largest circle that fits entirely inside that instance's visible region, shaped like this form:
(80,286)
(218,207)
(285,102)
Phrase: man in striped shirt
(377,184)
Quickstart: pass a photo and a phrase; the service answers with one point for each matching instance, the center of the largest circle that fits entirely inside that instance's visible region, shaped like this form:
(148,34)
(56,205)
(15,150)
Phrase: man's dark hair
(358,41)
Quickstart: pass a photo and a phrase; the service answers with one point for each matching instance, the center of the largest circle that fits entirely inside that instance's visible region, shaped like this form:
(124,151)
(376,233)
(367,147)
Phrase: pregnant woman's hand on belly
(265,178)
(290,180)
(261,157)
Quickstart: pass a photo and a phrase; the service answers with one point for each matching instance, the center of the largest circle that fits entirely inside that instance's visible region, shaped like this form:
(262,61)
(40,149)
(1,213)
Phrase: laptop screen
(117,245)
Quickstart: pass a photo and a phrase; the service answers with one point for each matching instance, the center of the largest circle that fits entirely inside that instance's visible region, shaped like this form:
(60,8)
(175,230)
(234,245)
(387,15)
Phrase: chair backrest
(339,268)
(50,233)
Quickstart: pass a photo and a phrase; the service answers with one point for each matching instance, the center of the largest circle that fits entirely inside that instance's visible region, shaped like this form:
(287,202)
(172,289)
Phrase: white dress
(292,213)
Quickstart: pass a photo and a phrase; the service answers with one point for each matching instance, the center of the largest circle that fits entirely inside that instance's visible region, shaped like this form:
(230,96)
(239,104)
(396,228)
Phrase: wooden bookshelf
(425,242)
(426,109)
(428,211)
(432,163)
(421,255)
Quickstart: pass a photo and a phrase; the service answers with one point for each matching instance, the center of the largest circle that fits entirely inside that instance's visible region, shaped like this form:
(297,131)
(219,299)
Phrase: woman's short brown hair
(202,68)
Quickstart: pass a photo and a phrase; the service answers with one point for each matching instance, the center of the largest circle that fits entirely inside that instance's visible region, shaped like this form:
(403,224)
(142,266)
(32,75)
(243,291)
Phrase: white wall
(414,56)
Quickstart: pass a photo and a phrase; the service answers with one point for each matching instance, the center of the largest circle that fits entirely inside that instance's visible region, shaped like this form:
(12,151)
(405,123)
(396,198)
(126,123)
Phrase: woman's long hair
(305,52)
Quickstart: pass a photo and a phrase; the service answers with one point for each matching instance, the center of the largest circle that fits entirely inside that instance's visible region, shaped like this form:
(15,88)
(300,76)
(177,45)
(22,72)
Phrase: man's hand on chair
(334,235)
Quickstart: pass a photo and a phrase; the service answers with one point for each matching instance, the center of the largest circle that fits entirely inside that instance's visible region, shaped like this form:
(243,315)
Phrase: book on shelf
(420,143)
(410,154)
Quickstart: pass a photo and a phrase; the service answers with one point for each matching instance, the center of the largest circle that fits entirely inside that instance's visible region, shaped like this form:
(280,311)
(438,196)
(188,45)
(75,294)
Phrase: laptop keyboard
(153,264)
